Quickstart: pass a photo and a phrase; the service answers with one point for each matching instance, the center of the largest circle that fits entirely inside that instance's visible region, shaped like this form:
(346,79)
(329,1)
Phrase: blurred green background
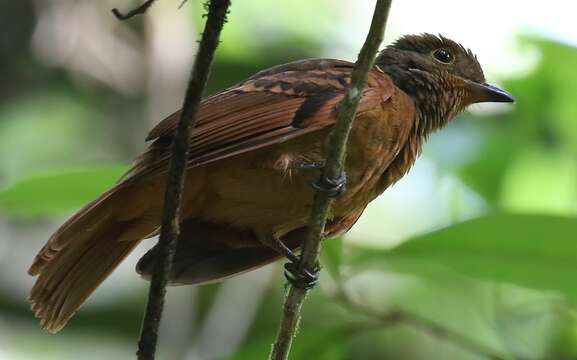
(473,255)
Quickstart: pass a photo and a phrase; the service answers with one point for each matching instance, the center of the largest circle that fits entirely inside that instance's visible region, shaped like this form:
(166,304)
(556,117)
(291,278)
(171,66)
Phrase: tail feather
(79,225)
(81,254)
(56,297)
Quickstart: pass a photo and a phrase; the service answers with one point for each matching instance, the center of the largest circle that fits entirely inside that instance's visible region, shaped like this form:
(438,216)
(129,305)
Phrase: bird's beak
(487,93)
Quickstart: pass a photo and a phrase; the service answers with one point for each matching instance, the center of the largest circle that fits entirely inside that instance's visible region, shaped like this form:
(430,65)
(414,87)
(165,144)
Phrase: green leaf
(541,180)
(485,173)
(534,251)
(533,123)
(57,192)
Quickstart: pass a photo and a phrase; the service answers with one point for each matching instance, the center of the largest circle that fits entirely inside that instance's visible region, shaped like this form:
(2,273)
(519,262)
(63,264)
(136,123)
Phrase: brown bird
(254,152)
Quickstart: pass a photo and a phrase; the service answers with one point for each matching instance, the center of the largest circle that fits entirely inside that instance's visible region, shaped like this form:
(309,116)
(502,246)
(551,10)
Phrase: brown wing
(273,106)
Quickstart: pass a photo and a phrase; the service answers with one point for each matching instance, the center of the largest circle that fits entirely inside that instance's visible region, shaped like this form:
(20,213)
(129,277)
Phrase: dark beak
(487,93)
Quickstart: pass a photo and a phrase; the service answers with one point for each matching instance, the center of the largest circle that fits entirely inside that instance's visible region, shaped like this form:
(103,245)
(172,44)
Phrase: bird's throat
(436,98)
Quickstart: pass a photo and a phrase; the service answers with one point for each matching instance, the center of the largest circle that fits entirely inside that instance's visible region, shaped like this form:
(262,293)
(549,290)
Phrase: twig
(217,11)
(443,332)
(332,170)
(398,316)
(136,11)
(182,4)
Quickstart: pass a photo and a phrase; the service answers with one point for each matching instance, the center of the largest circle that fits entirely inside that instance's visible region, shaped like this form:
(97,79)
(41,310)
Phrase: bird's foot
(308,165)
(332,187)
(297,276)
(300,278)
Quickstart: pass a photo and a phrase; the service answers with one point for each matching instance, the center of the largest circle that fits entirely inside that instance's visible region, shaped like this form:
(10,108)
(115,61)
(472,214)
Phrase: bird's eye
(443,56)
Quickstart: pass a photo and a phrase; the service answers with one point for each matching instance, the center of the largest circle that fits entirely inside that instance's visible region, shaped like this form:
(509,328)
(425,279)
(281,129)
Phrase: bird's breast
(374,142)
(268,188)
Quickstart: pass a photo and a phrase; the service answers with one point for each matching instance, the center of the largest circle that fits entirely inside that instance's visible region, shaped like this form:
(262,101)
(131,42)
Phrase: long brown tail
(84,251)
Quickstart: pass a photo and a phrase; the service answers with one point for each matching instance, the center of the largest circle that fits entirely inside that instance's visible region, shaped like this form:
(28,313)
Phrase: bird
(253,154)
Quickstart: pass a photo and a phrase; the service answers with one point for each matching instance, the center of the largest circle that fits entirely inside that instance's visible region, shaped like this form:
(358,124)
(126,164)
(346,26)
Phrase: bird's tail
(84,251)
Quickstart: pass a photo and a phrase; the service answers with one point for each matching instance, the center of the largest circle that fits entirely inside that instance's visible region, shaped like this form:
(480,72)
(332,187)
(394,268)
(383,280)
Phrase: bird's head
(440,75)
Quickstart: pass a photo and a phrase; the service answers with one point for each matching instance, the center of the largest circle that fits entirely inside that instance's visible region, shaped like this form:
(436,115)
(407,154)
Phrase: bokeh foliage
(504,280)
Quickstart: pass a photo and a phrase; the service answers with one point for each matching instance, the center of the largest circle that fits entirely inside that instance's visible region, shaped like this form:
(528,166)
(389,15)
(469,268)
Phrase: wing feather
(268,108)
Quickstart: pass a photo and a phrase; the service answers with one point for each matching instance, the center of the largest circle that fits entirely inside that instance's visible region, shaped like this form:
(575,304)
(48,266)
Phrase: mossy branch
(333,170)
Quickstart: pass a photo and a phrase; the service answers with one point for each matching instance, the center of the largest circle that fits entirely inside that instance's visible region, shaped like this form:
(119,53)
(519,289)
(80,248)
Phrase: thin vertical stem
(332,170)
(217,11)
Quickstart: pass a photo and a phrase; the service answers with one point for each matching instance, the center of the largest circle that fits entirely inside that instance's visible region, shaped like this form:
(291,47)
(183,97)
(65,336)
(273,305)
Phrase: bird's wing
(273,106)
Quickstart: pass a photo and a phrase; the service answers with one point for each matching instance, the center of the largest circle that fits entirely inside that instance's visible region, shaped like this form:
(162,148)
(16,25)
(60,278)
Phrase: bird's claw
(309,165)
(332,187)
(300,278)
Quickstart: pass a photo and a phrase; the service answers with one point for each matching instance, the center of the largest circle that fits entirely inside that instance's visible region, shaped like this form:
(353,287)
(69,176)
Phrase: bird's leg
(306,165)
(301,278)
(333,187)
